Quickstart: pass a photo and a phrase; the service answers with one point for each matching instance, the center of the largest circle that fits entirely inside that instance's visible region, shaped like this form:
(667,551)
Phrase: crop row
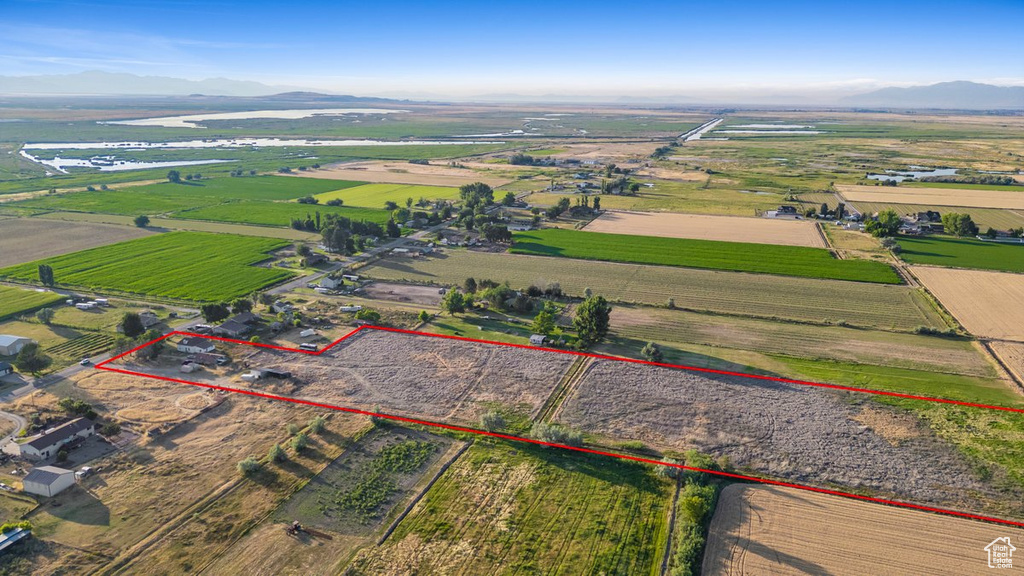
(14,301)
(85,345)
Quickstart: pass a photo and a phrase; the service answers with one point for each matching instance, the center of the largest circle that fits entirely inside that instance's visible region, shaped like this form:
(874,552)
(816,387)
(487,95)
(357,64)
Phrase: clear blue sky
(526,46)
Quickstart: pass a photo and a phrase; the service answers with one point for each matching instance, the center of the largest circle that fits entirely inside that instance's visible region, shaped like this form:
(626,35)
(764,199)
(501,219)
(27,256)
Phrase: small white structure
(331,283)
(351,308)
(350,277)
(188,367)
(538,339)
(11,345)
(194,345)
(103,301)
(307,333)
(48,480)
(400,251)
(281,306)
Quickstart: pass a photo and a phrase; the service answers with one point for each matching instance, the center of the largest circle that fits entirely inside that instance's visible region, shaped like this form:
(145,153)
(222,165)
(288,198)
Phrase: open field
(985,218)
(703,227)
(734,256)
(277,213)
(1012,355)
(712,195)
(405,173)
(186,265)
(988,304)
(504,509)
(856,303)
(934,196)
(164,224)
(962,253)
(774,530)
(799,433)
(14,301)
(24,240)
(375,195)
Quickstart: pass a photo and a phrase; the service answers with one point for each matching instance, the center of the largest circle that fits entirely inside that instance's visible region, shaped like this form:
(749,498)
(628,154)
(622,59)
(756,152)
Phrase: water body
(917,172)
(238,143)
(699,131)
(192,120)
(774,126)
(769,132)
(62,164)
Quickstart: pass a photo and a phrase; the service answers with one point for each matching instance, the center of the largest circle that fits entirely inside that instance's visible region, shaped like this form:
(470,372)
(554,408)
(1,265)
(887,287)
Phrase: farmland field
(856,303)
(14,301)
(277,213)
(988,304)
(933,196)
(984,217)
(705,227)
(185,265)
(405,173)
(375,195)
(504,509)
(24,240)
(182,224)
(721,196)
(735,256)
(775,530)
(962,253)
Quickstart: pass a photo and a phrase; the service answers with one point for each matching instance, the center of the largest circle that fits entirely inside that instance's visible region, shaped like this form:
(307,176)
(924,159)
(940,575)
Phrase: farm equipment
(295,529)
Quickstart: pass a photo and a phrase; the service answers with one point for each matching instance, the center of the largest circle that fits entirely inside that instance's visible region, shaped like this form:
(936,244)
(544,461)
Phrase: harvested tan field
(704,227)
(672,174)
(988,304)
(403,173)
(774,530)
(1012,355)
(24,240)
(155,403)
(934,196)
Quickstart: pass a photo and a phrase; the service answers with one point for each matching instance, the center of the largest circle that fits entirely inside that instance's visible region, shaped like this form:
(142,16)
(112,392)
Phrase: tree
(46,274)
(215,312)
(174,177)
(475,194)
(303,250)
(131,325)
(424,316)
(543,323)
(368,315)
(453,302)
(591,320)
(597,203)
(840,211)
(276,453)
(887,224)
(317,424)
(300,442)
(509,199)
(652,352)
(45,315)
(141,221)
(959,224)
(392,229)
(31,359)
(110,429)
(492,421)
(241,305)
(62,455)
(824,210)
(469,285)
(390,206)
(249,466)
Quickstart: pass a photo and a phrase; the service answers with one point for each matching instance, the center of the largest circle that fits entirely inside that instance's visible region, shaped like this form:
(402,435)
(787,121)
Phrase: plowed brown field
(988,304)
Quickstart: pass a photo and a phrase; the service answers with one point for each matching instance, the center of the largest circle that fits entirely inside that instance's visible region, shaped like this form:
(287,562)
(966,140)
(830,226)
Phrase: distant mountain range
(947,95)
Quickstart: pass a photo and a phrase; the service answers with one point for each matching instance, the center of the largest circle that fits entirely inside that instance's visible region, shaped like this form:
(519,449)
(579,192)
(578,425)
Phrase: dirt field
(933,196)
(24,240)
(800,433)
(773,530)
(1012,355)
(988,304)
(425,295)
(403,173)
(703,227)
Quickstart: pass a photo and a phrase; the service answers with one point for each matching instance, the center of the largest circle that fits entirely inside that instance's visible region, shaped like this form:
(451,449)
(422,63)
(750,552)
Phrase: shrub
(492,421)
(317,424)
(8,526)
(555,434)
(300,442)
(249,466)
(276,453)
(62,456)
(45,315)
(292,429)
(110,429)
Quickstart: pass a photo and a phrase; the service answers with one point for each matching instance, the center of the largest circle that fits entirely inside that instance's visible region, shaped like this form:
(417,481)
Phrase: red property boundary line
(743,477)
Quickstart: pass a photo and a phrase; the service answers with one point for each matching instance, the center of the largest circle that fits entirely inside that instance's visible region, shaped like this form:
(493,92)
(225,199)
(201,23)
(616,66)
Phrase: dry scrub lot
(423,295)
(404,173)
(24,240)
(933,196)
(774,530)
(988,304)
(799,433)
(704,227)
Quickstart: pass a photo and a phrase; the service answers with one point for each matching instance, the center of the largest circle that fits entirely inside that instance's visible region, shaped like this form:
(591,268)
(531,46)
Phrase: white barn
(48,480)
(11,345)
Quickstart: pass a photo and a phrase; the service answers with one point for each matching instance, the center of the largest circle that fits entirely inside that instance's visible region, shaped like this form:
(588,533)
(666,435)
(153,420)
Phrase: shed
(232,328)
(6,368)
(195,345)
(538,339)
(149,318)
(11,345)
(48,480)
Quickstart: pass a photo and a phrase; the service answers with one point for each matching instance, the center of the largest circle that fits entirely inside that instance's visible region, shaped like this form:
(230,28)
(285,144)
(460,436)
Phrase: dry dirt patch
(988,304)
(425,295)
(799,433)
(934,196)
(24,240)
(703,227)
(403,173)
(774,530)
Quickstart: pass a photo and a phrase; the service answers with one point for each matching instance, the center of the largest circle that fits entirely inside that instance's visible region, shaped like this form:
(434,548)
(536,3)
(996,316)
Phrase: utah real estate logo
(1000,553)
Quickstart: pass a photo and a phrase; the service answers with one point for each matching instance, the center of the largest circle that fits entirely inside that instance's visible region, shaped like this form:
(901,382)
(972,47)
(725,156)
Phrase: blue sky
(464,48)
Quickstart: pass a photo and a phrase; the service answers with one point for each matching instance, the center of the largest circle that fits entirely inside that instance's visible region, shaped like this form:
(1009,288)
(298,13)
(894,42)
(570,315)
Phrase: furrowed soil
(1012,199)
(795,432)
(706,227)
(775,530)
(988,304)
(25,240)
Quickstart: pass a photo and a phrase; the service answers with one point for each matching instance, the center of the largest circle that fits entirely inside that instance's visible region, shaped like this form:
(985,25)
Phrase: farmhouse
(11,345)
(246,318)
(331,283)
(281,306)
(5,369)
(520,225)
(50,442)
(48,480)
(232,328)
(194,345)
(149,318)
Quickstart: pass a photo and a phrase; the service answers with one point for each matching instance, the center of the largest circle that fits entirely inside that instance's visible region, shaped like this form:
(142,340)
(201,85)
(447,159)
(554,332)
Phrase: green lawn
(14,301)
(185,265)
(375,195)
(736,256)
(962,253)
(278,213)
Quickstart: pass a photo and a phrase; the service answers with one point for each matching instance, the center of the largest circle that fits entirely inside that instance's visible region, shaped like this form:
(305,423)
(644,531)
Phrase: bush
(249,466)
(492,421)
(62,456)
(110,429)
(45,315)
(316,425)
(335,202)
(277,454)
(300,442)
(8,526)
(292,429)
(555,434)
